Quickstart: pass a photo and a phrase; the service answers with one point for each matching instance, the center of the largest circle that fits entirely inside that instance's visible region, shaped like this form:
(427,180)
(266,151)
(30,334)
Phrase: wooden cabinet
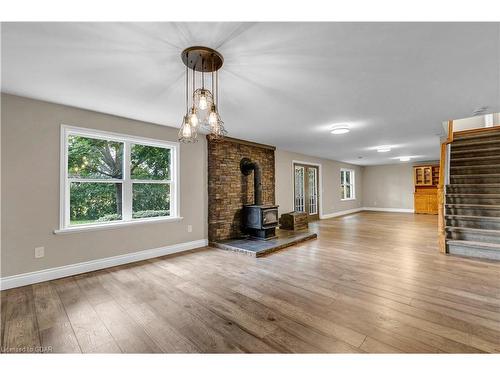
(426,179)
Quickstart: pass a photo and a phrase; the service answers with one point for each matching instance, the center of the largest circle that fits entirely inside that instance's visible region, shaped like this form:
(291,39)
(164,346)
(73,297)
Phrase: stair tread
(464,205)
(471,143)
(477,175)
(487,133)
(476,150)
(473,158)
(478,230)
(490,218)
(476,166)
(487,195)
(493,184)
(489,245)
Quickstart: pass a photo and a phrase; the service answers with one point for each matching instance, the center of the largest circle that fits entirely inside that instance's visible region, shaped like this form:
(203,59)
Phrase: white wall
(388,186)
(329,179)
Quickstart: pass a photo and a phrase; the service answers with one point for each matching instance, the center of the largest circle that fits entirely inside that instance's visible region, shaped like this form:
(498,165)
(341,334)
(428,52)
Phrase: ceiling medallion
(202,104)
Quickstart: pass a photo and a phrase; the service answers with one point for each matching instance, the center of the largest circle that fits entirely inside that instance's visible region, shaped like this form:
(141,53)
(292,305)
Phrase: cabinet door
(427,176)
(419,176)
(421,203)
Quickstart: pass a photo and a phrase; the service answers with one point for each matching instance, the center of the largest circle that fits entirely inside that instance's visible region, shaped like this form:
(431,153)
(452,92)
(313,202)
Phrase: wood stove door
(306,192)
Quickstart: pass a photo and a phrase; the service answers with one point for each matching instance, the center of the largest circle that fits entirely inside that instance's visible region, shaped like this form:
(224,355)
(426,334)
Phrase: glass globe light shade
(202,99)
(213,117)
(193,118)
(187,133)
(217,131)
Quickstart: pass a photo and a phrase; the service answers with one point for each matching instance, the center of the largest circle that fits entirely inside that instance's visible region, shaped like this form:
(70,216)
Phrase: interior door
(306,192)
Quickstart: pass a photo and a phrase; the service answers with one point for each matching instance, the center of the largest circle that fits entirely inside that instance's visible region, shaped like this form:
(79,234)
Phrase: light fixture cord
(187,83)
(213,93)
(193,85)
(202,74)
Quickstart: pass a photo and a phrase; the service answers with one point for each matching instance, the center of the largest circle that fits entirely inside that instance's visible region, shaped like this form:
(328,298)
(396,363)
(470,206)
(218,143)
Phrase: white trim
(93,265)
(402,210)
(341,213)
(320,183)
(127,182)
(115,224)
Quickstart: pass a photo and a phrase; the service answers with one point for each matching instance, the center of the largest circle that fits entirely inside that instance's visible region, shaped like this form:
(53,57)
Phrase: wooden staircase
(472,198)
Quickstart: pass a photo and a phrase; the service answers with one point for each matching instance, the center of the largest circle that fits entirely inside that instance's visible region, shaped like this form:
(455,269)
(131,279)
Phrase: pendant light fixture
(204,111)
(187,133)
(203,99)
(193,117)
(215,123)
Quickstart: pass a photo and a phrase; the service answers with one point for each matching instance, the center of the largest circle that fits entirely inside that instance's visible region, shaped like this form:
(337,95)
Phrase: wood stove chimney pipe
(246,167)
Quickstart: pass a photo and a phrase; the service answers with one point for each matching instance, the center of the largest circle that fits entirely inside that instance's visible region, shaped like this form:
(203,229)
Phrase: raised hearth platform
(257,248)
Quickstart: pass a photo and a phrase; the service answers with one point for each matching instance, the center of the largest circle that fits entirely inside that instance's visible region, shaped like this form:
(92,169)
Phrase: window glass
(149,163)
(150,200)
(94,158)
(95,202)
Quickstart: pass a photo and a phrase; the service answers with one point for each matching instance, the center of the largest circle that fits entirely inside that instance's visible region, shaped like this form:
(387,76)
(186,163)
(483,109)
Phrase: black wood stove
(259,220)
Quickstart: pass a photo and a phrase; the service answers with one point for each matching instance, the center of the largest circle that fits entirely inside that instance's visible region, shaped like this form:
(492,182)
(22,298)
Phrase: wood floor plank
(157,328)
(21,327)
(55,328)
(90,331)
(130,336)
(3,313)
(372,282)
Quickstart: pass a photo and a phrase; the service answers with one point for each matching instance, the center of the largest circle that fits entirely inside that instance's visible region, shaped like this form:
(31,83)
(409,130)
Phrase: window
(347,190)
(111,179)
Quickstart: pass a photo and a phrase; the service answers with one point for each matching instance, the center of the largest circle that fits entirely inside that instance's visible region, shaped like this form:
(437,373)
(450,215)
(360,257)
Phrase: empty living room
(323,188)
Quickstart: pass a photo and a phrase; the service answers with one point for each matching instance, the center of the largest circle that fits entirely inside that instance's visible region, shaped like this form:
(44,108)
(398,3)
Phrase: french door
(306,193)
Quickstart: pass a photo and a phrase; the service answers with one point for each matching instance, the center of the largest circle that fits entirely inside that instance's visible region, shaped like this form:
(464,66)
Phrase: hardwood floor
(372,282)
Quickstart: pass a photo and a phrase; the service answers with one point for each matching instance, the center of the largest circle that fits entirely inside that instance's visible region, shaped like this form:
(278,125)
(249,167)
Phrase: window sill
(114,225)
(348,199)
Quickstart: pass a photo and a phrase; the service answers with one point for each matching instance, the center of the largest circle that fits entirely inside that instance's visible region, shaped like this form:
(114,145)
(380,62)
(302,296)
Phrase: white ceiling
(283,84)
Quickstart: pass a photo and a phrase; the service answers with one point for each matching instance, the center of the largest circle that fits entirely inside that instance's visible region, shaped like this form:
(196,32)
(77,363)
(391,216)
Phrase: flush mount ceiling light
(404,158)
(203,111)
(383,148)
(340,129)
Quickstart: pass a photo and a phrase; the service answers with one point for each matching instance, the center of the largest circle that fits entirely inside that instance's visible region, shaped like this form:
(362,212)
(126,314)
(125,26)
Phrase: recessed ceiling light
(404,158)
(340,129)
(383,148)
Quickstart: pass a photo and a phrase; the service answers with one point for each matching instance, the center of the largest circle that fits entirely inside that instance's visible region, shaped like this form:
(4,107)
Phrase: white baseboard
(341,213)
(402,210)
(93,265)
(359,209)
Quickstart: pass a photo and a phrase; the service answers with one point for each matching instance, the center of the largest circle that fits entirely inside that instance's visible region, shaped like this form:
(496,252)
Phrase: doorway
(306,192)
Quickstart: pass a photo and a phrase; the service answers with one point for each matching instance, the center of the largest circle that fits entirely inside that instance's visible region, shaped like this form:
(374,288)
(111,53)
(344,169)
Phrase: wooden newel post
(441,190)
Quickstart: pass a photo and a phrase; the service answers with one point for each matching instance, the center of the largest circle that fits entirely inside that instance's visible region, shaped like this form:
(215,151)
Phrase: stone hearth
(257,248)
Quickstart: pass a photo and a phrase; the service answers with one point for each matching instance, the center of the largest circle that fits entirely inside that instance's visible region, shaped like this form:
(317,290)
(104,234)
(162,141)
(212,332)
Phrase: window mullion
(127,183)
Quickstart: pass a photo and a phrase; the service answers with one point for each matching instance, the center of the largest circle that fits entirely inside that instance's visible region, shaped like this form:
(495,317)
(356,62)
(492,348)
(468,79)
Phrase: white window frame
(352,184)
(127,140)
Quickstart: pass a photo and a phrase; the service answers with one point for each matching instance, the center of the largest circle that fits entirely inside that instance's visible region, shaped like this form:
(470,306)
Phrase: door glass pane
(150,200)
(149,163)
(299,189)
(92,202)
(94,158)
(313,193)
(342,192)
(342,177)
(348,177)
(348,191)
